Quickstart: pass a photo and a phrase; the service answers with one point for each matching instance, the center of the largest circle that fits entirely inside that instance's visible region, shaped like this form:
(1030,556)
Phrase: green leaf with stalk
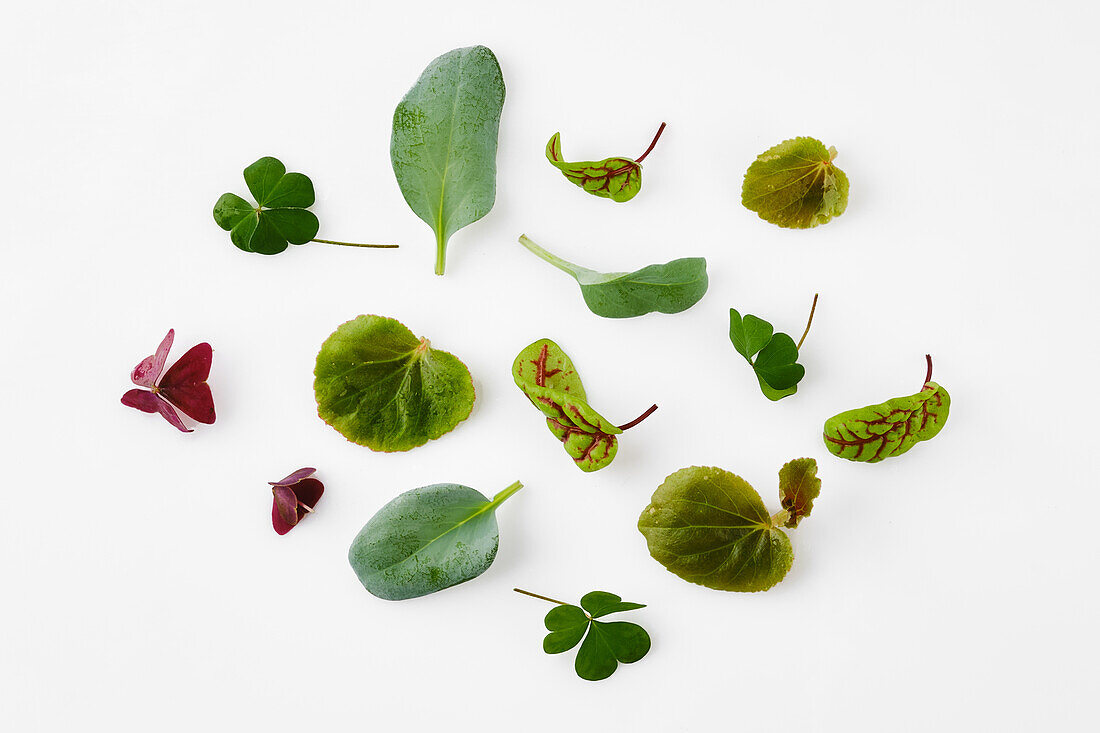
(618,179)
(280,214)
(606,643)
(772,356)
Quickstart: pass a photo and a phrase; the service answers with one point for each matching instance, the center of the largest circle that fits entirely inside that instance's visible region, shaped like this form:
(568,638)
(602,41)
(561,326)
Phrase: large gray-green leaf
(444,144)
(669,288)
(426,540)
(710,527)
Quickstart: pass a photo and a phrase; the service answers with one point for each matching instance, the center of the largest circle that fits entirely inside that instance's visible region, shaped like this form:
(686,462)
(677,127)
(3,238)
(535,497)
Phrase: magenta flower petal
(184,384)
(295,477)
(294,497)
(147,372)
(284,509)
(145,401)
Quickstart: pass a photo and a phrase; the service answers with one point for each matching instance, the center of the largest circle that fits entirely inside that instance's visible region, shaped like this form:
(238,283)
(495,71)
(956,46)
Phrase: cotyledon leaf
(428,539)
(618,179)
(444,143)
(669,288)
(877,432)
(382,387)
(710,527)
(798,487)
(795,184)
(547,376)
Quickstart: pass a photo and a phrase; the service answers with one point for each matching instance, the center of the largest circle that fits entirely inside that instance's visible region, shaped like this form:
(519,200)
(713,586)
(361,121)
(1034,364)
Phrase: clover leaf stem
(638,419)
(656,137)
(808,322)
(355,244)
(541,598)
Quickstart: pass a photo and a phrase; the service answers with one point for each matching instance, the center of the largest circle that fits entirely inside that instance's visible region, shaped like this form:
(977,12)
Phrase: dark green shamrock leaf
(280,214)
(606,643)
(796,184)
(776,353)
(618,179)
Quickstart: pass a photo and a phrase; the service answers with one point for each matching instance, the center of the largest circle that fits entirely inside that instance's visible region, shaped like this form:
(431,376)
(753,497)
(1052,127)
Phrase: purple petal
(184,384)
(295,477)
(147,372)
(145,401)
(284,510)
(308,491)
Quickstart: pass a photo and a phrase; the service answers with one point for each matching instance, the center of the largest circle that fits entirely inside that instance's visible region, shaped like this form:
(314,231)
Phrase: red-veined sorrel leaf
(618,179)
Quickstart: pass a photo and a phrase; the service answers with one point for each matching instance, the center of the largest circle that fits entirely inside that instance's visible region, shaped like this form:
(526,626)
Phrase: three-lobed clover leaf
(546,375)
(279,215)
(618,179)
(795,184)
(877,432)
(776,354)
(606,643)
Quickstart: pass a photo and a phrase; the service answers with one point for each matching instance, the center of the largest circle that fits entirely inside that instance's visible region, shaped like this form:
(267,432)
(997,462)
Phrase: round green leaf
(382,387)
(710,527)
(796,184)
(566,625)
(606,645)
(776,363)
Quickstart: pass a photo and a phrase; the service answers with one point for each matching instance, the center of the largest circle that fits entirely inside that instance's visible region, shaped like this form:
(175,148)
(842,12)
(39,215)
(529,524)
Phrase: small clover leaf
(606,643)
(280,215)
(775,365)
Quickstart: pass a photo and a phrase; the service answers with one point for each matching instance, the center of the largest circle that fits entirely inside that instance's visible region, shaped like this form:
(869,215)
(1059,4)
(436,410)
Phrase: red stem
(928,376)
(656,137)
(638,419)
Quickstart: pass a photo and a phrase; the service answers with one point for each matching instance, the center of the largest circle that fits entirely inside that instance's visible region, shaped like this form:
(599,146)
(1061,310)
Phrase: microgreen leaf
(618,179)
(798,487)
(669,288)
(776,353)
(183,386)
(795,184)
(382,387)
(444,144)
(280,215)
(293,498)
(605,644)
(876,432)
(546,375)
(428,539)
(711,528)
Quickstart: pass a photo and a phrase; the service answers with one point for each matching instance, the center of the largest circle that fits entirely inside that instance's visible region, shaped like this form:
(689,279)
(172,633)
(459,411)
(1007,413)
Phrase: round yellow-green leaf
(796,185)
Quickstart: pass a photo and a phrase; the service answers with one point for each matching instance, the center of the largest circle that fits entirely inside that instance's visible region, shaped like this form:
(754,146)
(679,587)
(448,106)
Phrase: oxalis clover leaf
(606,643)
(775,354)
(280,214)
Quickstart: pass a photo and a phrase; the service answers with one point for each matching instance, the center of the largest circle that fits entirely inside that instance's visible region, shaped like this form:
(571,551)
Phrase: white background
(951,589)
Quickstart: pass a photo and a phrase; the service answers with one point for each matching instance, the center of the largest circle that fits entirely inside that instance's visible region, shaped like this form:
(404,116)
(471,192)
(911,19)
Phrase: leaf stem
(558,262)
(638,419)
(505,493)
(541,598)
(808,322)
(656,137)
(355,244)
(928,374)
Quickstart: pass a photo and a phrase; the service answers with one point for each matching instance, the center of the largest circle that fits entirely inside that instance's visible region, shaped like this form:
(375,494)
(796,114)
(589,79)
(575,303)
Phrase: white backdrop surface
(951,589)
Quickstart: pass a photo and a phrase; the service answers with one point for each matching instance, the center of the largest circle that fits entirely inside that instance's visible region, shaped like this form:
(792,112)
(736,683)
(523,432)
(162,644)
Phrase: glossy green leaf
(669,288)
(280,215)
(605,645)
(876,432)
(427,539)
(444,144)
(618,179)
(546,375)
(710,527)
(798,487)
(382,387)
(796,184)
(776,354)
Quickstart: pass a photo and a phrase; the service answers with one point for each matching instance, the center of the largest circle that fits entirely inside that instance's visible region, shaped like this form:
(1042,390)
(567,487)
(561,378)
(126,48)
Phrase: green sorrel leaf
(382,387)
(876,432)
(798,487)
(796,185)
(669,288)
(710,527)
(444,144)
(775,354)
(606,643)
(426,540)
(280,214)
(547,377)
(618,179)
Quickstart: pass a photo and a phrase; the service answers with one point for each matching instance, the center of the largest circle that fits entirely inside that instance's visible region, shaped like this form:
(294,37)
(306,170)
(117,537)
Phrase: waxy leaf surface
(710,527)
(382,387)
(428,539)
(606,643)
(798,487)
(618,179)
(279,215)
(876,432)
(796,184)
(775,355)
(444,143)
(669,288)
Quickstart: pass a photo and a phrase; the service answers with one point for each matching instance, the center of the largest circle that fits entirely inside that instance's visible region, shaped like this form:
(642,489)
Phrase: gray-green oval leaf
(427,539)
(710,527)
(444,143)
(667,288)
